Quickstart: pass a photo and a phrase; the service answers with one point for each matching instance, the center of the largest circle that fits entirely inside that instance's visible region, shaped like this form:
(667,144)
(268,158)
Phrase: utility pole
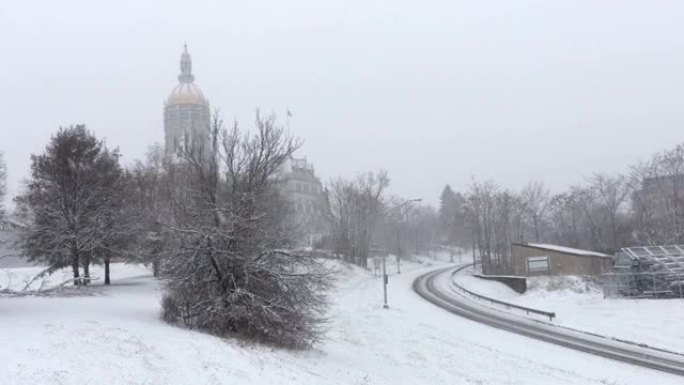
(402,230)
(384,280)
(399,248)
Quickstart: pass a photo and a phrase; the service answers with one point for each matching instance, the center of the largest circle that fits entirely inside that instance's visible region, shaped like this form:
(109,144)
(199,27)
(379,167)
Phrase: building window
(538,264)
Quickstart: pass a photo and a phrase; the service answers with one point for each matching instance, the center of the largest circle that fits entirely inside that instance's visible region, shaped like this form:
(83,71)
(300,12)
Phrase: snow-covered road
(438,287)
(116,337)
(646,321)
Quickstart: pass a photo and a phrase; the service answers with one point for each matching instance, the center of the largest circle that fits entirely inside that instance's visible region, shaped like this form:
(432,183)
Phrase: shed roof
(563,249)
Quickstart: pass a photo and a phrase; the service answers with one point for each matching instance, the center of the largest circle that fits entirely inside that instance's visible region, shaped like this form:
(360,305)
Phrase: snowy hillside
(115,336)
(579,304)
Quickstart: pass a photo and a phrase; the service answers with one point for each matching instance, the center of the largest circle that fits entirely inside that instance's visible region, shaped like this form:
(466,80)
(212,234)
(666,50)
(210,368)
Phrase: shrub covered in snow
(226,267)
(577,284)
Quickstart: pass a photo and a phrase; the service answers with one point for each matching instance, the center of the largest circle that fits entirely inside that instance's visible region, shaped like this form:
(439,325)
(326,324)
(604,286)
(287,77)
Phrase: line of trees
(365,221)
(209,219)
(409,228)
(657,185)
(356,207)
(644,206)
(212,223)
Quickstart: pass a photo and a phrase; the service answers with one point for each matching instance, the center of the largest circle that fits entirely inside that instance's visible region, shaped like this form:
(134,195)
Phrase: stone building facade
(303,190)
(186,112)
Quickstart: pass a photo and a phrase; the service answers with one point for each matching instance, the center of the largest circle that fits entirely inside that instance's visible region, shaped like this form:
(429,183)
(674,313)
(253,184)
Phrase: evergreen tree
(452,217)
(72,197)
(447,214)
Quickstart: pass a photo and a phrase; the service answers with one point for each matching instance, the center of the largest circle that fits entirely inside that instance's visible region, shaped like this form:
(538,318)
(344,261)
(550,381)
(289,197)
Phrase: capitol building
(186,112)
(187,122)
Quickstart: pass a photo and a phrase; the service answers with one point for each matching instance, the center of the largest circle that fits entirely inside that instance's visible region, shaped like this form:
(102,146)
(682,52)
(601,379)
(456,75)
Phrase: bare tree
(341,201)
(658,199)
(606,213)
(535,196)
(481,209)
(227,267)
(497,217)
(149,205)
(565,220)
(611,193)
(356,209)
(408,229)
(421,227)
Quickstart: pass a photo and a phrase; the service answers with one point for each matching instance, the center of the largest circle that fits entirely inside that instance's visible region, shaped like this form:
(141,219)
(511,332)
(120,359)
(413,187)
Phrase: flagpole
(288,115)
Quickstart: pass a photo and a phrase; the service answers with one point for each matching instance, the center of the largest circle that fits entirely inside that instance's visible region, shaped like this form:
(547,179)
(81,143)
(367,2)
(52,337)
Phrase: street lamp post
(384,282)
(385,278)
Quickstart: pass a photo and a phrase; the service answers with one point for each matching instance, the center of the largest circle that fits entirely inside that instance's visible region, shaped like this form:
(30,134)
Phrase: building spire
(186,67)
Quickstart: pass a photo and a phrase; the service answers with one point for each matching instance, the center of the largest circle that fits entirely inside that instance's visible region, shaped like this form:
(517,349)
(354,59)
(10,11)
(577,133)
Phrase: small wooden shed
(532,259)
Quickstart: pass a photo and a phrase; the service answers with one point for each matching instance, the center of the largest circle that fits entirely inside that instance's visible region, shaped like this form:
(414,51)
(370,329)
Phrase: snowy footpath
(115,336)
(580,305)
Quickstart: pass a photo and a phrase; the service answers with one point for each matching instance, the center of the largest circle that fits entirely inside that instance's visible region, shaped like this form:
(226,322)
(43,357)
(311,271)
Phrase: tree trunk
(155,267)
(86,269)
(106,268)
(74,266)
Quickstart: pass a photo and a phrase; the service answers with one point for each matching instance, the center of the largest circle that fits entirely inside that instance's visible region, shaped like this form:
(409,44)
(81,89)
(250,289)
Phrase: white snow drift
(115,336)
(578,304)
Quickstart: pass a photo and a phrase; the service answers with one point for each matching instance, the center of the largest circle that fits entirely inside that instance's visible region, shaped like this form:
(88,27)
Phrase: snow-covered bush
(577,284)
(226,267)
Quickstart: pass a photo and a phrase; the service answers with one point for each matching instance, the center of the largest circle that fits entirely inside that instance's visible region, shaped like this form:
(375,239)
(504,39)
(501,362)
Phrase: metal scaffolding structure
(647,271)
(668,258)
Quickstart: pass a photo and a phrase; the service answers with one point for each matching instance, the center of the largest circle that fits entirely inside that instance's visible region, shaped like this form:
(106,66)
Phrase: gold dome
(186,93)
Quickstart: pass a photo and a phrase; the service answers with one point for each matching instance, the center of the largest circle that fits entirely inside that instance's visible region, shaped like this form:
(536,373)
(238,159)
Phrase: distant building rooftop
(563,249)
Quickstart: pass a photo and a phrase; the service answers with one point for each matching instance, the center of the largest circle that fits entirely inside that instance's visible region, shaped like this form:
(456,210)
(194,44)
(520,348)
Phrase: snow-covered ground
(580,305)
(115,336)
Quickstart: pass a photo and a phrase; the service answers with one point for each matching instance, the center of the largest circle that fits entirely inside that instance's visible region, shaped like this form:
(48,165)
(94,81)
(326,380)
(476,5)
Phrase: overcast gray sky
(433,91)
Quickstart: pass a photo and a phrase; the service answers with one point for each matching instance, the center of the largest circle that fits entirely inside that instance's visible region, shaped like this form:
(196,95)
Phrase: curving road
(435,287)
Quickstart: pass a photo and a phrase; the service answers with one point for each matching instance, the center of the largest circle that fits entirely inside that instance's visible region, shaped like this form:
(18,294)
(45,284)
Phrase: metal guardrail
(528,310)
(636,354)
